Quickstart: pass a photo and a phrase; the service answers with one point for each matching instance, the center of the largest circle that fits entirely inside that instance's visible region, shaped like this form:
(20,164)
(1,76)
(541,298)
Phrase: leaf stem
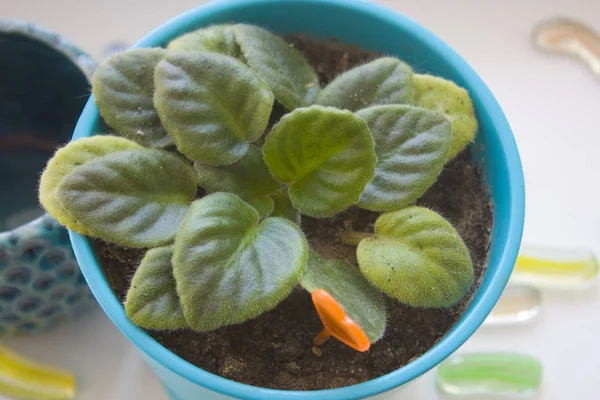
(322,337)
(353,237)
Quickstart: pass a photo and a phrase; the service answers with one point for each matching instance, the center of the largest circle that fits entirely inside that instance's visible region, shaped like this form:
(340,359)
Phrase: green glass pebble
(500,374)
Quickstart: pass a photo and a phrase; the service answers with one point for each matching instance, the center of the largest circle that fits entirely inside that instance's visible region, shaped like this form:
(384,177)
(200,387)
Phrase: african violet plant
(195,114)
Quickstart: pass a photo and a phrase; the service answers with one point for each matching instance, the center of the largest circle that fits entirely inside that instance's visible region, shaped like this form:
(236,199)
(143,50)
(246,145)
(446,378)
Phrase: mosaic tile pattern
(40,281)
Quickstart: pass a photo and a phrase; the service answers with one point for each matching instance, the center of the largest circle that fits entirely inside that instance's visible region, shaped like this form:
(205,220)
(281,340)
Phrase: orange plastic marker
(337,323)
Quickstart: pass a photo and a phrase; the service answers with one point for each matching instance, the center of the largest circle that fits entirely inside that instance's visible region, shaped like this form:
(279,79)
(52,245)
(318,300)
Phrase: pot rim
(57,42)
(471,319)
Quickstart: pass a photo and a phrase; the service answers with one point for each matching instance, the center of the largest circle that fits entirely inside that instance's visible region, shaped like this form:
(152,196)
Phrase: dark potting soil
(274,350)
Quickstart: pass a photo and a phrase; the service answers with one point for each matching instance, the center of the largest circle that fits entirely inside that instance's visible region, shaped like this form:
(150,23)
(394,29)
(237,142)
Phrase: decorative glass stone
(569,37)
(22,378)
(518,304)
(555,268)
(483,374)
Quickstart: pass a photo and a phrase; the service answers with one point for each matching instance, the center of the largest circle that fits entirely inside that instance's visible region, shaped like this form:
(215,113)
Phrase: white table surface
(553,105)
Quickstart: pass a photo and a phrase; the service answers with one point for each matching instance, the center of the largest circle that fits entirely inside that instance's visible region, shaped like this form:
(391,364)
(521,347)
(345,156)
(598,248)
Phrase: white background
(553,105)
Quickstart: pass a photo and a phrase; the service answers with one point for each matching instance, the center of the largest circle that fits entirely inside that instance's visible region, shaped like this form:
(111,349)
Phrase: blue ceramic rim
(470,321)
(32,31)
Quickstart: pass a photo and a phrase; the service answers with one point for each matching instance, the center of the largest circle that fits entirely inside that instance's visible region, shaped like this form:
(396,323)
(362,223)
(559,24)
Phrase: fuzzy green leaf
(247,178)
(66,160)
(228,267)
(383,81)
(362,302)
(444,96)
(417,257)
(288,74)
(325,155)
(152,301)
(123,87)
(212,105)
(135,198)
(216,38)
(284,208)
(412,145)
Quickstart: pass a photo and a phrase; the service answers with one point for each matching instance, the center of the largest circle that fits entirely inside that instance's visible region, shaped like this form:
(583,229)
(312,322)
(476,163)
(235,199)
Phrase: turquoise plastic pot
(372,27)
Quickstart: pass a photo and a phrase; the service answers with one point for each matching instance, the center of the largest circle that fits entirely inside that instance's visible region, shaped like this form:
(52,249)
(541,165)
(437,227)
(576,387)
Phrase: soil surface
(274,350)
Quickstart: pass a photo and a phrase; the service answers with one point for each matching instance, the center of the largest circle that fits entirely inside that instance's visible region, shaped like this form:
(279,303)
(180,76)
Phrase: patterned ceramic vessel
(44,84)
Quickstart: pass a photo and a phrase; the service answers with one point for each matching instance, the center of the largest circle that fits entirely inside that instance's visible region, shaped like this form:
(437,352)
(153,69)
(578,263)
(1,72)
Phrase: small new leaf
(288,74)
(216,38)
(134,198)
(412,145)
(383,81)
(454,102)
(417,257)
(212,105)
(284,208)
(152,301)
(228,267)
(247,178)
(325,155)
(123,87)
(362,302)
(66,160)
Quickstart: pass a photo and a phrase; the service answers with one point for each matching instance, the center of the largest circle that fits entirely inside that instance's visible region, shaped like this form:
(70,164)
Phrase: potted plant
(210,95)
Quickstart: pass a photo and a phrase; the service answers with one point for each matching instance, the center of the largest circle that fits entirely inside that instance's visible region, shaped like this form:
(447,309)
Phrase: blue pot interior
(42,93)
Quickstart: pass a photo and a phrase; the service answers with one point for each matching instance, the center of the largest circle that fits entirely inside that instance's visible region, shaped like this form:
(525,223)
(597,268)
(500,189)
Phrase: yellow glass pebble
(24,379)
(556,268)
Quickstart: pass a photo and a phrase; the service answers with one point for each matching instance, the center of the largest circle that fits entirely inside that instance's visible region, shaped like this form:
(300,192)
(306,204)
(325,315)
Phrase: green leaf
(247,178)
(284,208)
(362,302)
(444,96)
(123,87)
(134,198)
(64,161)
(212,105)
(325,155)
(411,144)
(229,268)
(288,74)
(216,38)
(417,257)
(383,81)
(152,301)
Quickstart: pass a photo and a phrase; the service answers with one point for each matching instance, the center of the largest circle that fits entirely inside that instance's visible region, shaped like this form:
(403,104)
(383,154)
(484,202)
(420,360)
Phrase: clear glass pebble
(570,37)
(517,305)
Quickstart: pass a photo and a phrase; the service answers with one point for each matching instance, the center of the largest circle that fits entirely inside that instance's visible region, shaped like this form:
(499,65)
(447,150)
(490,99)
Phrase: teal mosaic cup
(44,85)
